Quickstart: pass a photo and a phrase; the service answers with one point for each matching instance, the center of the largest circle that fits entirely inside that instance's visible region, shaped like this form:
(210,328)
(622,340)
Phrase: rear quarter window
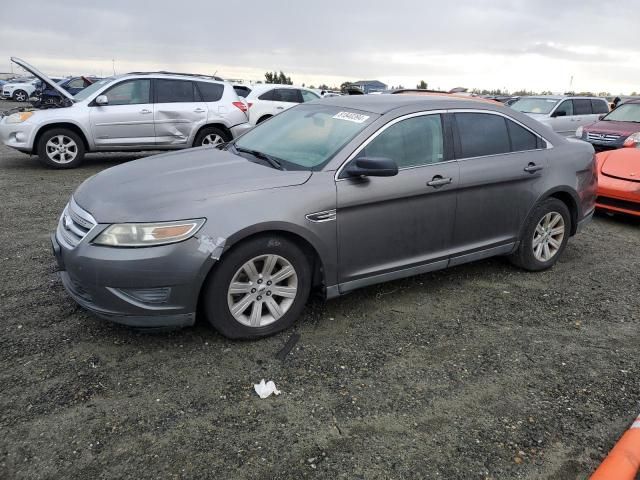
(482,134)
(210,92)
(599,106)
(521,138)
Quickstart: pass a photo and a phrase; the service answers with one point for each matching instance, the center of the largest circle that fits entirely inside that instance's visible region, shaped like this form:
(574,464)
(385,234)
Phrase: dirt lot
(481,371)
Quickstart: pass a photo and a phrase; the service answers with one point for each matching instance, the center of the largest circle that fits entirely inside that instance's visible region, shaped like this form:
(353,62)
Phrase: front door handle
(199,110)
(533,168)
(279,108)
(439,181)
(145,111)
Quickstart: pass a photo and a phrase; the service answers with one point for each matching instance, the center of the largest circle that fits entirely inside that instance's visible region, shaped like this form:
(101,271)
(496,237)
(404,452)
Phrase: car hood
(614,127)
(623,163)
(37,73)
(176,186)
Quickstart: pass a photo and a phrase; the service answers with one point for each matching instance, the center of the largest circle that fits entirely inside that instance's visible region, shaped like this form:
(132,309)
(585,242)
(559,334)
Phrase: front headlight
(579,132)
(148,234)
(19,117)
(632,140)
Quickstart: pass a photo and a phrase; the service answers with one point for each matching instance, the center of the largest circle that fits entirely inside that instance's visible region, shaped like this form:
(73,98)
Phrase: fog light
(148,296)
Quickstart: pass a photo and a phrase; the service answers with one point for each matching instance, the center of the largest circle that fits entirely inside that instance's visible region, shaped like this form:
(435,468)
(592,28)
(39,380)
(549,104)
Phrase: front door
(562,119)
(179,111)
(127,119)
(502,167)
(390,227)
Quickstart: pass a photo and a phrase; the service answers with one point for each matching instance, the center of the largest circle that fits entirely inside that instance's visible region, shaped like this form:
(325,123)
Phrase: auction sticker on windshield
(351,117)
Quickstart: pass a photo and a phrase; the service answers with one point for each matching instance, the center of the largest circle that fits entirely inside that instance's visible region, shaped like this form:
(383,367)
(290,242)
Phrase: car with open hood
(130,112)
(620,128)
(619,181)
(48,96)
(331,195)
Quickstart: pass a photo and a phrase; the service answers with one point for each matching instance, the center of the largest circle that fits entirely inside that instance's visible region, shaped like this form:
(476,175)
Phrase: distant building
(370,86)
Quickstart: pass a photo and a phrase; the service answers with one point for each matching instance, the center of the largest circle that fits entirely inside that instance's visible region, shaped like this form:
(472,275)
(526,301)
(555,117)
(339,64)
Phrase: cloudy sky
(517,44)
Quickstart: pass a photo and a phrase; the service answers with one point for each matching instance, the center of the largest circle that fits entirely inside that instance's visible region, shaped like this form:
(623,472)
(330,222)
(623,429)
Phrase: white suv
(268,100)
(20,90)
(138,111)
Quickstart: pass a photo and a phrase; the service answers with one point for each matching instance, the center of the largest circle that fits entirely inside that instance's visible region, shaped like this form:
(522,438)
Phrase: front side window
(582,106)
(566,107)
(308,96)
(174,91)
(131,92)
(482,134)
(412,142)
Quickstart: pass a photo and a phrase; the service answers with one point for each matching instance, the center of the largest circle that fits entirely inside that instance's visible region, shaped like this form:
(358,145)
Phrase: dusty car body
(335,194)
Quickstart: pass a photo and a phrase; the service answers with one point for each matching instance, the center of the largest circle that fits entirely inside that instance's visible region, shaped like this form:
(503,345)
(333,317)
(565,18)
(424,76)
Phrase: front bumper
(152,287)
(17,135)
(618,195)
(240,129)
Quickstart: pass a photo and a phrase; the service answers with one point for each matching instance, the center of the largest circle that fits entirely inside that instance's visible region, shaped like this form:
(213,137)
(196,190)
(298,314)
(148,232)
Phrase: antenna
(113,64)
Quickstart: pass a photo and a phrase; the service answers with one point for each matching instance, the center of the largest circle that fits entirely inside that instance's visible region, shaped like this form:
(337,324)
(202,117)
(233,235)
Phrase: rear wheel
(211,136)
(259,288)
(262,119)
(20,96)
(545,236)
(60,148)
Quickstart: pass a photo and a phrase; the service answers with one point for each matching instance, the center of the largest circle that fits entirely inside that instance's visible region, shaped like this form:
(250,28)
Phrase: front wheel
(60,148)
(259,288)
(545,236)
(20,96)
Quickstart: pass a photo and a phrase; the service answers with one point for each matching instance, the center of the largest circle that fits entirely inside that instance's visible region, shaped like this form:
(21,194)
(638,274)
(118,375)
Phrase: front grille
(603,137)
(75,223)
(614,202)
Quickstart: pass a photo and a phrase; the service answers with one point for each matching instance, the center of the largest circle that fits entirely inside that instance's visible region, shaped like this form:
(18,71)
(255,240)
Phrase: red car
(619,181)
(619,128)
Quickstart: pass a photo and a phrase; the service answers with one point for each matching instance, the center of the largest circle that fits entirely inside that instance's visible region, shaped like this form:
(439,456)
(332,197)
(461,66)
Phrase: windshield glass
(94,87)
(627,112)
(307,136)
(534,105)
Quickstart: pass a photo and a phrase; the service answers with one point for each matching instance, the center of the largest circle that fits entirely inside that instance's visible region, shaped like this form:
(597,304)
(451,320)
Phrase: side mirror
(560,113)
(102,100)
(372,167)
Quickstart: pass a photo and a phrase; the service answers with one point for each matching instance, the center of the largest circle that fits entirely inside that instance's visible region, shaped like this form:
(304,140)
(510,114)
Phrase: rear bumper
(585,221)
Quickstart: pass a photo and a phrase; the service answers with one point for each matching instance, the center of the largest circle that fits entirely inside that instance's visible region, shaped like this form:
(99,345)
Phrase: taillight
(241,106)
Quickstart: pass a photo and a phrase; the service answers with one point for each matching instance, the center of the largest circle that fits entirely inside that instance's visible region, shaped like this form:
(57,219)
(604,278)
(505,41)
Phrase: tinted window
(308,96)
(174,91)
(132,92)
(267,95)
(566,107)
(599,106)
(242,91)
(210,92)
(411,142)
(582,107)
(521,138)
(291,95)
(482,134)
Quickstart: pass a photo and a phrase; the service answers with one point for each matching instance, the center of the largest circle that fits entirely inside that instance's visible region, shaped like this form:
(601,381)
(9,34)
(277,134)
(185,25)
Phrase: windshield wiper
(273,161)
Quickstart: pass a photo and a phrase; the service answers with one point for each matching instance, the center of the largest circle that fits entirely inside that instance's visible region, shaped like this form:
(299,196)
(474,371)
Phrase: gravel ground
(481,371)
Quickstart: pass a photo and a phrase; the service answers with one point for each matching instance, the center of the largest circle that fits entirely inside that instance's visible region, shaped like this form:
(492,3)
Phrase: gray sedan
(331,195)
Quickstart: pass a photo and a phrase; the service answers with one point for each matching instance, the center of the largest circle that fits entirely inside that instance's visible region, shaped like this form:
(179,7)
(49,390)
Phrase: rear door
(502,166)
(179,111)
(127,120)
(583,113)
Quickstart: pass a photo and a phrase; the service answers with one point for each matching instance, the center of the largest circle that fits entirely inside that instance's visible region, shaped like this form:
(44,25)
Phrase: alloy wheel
(548,236)
(20,96)
(212,139)
(262,290)
(62,149)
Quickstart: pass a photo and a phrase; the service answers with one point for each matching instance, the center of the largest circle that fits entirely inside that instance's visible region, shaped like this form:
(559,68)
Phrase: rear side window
(242,91)
(267,95)
(599,106)
(308,96)
(210,92)
(76,83)
(521,138)
(582,106)
(410,143)
(174,91)
(482,134)
(290,95)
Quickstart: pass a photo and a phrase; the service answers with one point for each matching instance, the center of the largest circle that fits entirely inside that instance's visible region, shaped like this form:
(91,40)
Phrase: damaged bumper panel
(161,291)
(17,135)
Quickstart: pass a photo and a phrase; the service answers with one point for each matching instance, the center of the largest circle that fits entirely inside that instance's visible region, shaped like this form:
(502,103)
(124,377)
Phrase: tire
(539,247)
(211,136)
(70,157)
(262,119)
(20,96)
(256,296)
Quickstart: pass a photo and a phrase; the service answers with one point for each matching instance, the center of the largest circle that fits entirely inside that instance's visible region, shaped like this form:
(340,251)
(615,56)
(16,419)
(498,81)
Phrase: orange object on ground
(623,461)
(619,181)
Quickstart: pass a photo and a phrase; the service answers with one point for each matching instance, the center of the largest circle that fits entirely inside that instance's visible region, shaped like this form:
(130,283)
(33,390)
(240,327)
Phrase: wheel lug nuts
(268,293)
(253,290)
(260,280)
(259,297)
(269,282)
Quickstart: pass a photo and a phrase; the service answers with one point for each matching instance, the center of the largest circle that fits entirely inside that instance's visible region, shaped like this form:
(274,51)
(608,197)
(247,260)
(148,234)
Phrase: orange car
(619,181)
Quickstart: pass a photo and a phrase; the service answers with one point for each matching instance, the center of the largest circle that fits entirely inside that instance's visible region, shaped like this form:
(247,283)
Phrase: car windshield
(534,105)
(627,112)
(94,87)
(307,136)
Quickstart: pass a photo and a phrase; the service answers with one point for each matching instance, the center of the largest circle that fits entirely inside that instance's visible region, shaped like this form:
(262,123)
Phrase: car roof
(169,75)
(382,104)
(563,97)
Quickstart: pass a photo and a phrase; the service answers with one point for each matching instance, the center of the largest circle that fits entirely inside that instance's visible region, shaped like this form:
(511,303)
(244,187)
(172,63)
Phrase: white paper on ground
(265,389)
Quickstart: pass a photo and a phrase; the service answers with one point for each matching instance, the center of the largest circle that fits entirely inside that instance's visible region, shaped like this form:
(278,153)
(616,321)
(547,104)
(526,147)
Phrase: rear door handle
(533,168)
(279,108)
(145,111)
(439,181)
(199,110)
